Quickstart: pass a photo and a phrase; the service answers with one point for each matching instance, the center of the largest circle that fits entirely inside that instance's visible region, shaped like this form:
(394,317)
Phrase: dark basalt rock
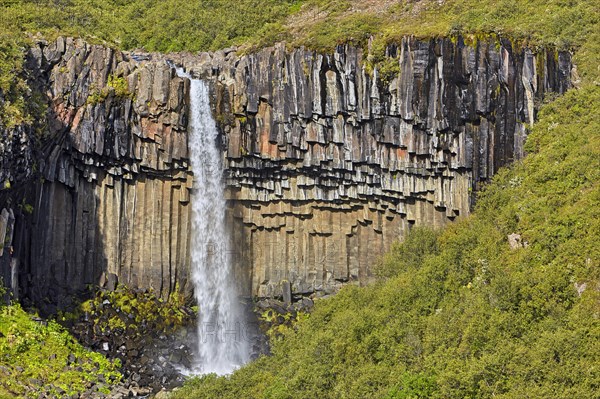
(152,356)
(328,164)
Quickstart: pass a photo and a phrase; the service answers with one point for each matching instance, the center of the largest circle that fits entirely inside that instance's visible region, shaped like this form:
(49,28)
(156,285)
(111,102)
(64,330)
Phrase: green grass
(171,25)
(460,314)
(564,24)
(35,354)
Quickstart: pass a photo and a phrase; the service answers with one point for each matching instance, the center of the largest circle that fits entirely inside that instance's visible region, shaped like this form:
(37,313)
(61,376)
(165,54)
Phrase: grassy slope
(562,22)
(36,355)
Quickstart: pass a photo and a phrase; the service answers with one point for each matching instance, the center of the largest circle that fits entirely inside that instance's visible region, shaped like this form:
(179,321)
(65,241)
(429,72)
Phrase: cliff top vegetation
(177,25)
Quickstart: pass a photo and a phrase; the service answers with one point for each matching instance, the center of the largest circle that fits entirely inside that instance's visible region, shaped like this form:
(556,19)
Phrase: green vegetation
(39,357)
(13,107)
(275,324)
(171,25)
(566,24)
(354,28)
(563,23)
(459,313)
(42,358)
(26,207)
(116,86)
(138,311)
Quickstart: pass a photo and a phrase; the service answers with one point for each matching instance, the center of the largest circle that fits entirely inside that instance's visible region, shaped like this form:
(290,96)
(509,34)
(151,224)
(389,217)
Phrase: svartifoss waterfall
(222,342)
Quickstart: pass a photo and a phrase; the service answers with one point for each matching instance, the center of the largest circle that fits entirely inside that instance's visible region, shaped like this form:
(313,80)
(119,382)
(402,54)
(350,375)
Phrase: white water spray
(223,344)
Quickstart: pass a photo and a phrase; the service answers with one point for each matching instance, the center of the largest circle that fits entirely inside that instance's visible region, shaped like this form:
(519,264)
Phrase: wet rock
(286,289)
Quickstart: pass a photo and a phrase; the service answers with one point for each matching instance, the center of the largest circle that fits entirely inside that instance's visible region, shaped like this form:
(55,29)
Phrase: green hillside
(41,359)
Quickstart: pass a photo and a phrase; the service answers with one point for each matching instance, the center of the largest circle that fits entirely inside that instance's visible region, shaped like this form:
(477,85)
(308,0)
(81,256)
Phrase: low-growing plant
(32,349)
(139,308)
(116,86)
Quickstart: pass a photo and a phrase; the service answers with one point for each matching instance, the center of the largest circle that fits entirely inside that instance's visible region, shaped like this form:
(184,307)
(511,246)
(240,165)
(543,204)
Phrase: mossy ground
(41,357)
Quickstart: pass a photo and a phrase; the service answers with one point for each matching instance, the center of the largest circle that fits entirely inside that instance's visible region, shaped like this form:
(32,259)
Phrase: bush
(409,254)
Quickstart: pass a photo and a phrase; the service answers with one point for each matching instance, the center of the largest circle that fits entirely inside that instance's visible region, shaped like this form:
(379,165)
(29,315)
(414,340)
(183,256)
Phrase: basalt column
(326,160)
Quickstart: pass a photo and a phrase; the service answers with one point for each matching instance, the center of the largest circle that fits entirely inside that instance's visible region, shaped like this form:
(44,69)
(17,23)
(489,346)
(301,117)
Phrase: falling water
(222,344)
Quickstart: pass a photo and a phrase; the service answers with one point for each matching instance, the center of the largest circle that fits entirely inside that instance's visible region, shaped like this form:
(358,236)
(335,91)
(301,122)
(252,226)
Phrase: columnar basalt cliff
(327,162)
(108,186)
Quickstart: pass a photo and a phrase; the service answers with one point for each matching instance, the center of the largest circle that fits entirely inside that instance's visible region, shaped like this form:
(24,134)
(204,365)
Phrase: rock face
(327,162)
(108,190)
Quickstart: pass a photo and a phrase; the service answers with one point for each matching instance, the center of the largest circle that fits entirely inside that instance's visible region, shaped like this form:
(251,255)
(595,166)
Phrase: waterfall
(222,342)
